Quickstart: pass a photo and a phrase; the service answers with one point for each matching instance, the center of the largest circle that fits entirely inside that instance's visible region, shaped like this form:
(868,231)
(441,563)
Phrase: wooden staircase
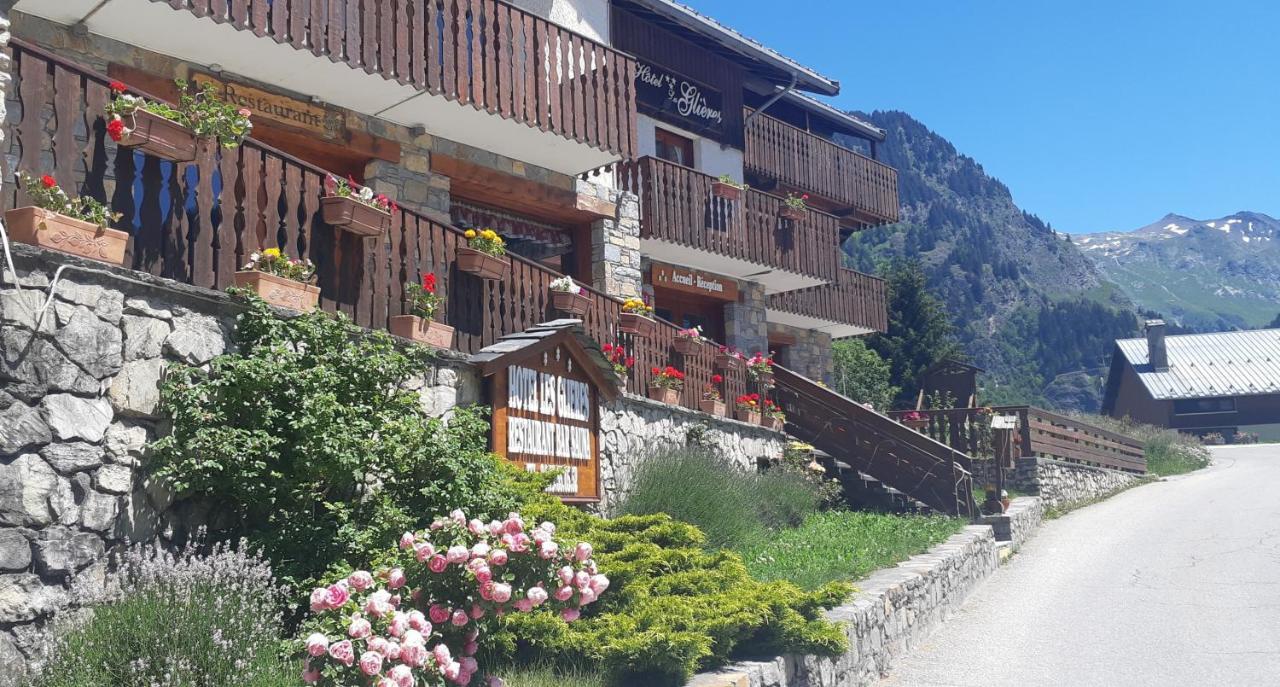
(922,469)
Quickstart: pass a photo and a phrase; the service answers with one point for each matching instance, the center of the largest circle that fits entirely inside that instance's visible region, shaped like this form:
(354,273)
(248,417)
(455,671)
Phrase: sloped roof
(1204,365)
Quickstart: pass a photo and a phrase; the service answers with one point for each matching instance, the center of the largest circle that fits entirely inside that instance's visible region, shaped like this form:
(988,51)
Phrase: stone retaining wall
(1058,483)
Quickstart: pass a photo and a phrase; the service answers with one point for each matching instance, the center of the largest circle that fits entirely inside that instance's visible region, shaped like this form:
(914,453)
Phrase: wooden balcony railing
(854,299)
(677,205)
(1041,433)
(797,159)
(198,222)
(485,53)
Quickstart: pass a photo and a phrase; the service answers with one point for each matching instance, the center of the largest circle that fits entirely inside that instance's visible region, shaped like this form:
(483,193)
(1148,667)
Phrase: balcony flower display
(424,302)
(915,420)
(729,359)
(76,226)
(760,368)
(725,187)
(794,207)
(354,208)
(637,318)
(773,416)
(712,401)
(665,384)
(747,408)
(280,280)
(169,132)
(688,341)
(569,297)
(423,617)
(484,254)
(620,359)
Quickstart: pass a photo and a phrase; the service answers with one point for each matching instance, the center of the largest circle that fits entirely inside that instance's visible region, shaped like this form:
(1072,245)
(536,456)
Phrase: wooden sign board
(1004,422)
(546,416)
(280,109)
(712,286)
(664,93)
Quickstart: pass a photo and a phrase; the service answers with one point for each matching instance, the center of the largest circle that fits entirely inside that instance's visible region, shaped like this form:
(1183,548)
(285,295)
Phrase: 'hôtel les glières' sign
(697,107)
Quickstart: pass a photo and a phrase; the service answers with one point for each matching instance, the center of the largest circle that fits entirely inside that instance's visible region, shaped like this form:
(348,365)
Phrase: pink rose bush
(419,621)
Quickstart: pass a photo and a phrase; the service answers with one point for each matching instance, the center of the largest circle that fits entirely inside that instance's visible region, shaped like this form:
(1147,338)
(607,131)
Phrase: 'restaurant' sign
(692,281)
(663,92)
(278,108)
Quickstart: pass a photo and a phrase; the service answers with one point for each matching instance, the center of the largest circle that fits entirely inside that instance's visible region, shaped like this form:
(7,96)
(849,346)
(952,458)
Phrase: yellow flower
(470,234)
(271,253)
(489,234)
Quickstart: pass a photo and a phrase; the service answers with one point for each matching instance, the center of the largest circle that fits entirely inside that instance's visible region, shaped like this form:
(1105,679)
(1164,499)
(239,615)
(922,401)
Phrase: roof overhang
(854,125)
(837,330)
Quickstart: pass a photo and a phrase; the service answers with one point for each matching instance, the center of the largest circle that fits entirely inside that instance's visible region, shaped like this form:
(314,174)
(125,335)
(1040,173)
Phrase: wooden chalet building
(1226,382)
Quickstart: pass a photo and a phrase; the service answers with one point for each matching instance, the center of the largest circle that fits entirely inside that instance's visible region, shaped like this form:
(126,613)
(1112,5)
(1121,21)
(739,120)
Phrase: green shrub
(673,607)
(1168,451)
(307,442)
(185,620)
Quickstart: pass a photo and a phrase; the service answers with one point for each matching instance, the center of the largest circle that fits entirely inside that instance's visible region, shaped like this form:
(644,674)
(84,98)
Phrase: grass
(843,545)
(545,676)
(1168,452)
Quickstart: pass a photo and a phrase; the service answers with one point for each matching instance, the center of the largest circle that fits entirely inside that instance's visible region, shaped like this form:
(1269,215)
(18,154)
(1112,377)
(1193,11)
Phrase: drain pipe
(768,103)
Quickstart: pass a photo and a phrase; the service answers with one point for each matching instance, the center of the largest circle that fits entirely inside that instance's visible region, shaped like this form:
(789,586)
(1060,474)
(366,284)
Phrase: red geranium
(429,282)
(48,181)
(118,87)
(716,379)
(115,129)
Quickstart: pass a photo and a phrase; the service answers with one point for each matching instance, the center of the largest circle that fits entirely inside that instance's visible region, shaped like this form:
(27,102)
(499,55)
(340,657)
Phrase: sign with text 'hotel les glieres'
(695,106)
(546,410)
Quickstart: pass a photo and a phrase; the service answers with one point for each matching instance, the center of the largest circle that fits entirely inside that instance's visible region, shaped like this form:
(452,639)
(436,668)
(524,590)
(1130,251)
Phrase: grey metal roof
(693,20)
(1201,365)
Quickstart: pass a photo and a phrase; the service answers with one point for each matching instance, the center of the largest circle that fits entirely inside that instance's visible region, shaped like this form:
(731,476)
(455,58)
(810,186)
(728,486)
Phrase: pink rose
(458,516)
(514,523)
(402,676)
(570,614)
(501,592)
(452,670)
(417,621)
(480,550)
(359,628)
(548,526)
(586,596)
(469,665)
(424,551)
(564,593)
(413,638)
(536,595)
(486,590)
(336,596)
(319,599)
(360,580)
(598,584)
(396,578)
(398,625)
(378,603)
(547,550)
(457,554)
(470,648)
(438,614)
(581,579)
(582,551)
(498,557)
(523,605)
(392,651)
(385,681)
(371,663)
(437,564)
(495,681)
(311,675)
(496,528)
(476,612)
(243,112)
(476,526)
(415,655)
(441,654)
(483,574)
(378,644)
(317,644)
(520,542)
(343,652)
(540,535)
(406,540)
(565,574)
(459,618)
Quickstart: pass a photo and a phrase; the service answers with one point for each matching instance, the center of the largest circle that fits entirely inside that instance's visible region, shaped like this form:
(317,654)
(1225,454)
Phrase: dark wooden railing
(485,53)
(798,159)
(1041,433)
(855,298)
(198,223)
(677,205)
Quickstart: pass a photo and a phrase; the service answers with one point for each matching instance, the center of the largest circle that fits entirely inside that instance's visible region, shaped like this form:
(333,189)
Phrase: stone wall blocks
(114,479)
(147,308)
(143,337)
(26,483)
(196,339)
(96,346)
(20,308)
(15,549)
(21,427)
(125,443)
(98,511)
(72,457)
(71,417)
(60,551)
(135,391)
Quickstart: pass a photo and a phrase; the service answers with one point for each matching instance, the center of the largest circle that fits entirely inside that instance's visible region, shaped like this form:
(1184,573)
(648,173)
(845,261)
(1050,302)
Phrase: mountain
(1029,306)
(1203,275)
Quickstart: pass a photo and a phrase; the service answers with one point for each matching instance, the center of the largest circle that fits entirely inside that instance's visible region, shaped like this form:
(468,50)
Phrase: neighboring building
(1226,382)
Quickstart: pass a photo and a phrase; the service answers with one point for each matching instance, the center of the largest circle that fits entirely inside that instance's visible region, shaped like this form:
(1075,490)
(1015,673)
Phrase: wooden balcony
(237,201)
(853,305)
(684,223)
(411,62)
(861,191)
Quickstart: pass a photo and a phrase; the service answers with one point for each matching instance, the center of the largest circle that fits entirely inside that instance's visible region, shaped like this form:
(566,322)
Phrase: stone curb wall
(1064,485)
(1016,524)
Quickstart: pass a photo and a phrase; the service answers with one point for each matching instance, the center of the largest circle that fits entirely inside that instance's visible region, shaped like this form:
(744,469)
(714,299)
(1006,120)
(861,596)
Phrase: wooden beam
(488,186)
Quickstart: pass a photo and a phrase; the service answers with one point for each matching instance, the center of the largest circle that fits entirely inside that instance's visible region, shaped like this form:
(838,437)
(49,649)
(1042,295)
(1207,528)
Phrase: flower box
(792,213)
(48,229)
(422,330)
(664,394)
(571,303)
(637,325)
(279,291)
(481,264)
(917,425)
(725,190)
(751,417)
(711,406)
(686,346)
(724,361)
(353,216)
(775,424)
(160,137)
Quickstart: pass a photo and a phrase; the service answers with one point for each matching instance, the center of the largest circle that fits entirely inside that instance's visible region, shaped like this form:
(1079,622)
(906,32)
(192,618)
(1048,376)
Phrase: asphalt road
(1172,583)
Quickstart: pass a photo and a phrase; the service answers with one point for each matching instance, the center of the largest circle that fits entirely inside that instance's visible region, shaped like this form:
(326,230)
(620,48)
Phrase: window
(1197,406)
(674,147)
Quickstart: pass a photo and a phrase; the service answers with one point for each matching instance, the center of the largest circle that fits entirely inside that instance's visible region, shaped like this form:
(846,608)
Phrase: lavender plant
(186,619)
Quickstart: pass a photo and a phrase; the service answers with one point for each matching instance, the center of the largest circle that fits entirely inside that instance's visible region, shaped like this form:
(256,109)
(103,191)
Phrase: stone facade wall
(810,355)
(745,327)
(632,426)
(615,244)
(78,393)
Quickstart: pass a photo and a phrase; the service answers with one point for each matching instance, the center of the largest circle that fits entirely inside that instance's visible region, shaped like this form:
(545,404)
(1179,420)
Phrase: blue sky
(1097,115)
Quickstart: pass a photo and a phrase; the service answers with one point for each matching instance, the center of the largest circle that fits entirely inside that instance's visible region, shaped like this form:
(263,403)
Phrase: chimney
(1157,354)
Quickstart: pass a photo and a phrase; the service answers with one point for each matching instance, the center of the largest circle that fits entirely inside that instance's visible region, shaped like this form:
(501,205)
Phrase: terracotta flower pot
(793,214)
(711,406)
(354,216)
(751,417)
(663,394)
(571,303)
(48,229)
(637,325)
(775,424)
(279,291)
(724,361)
(160,137)
(481,264)
(422,330)
(686,346)
(720,189)
(917,425)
